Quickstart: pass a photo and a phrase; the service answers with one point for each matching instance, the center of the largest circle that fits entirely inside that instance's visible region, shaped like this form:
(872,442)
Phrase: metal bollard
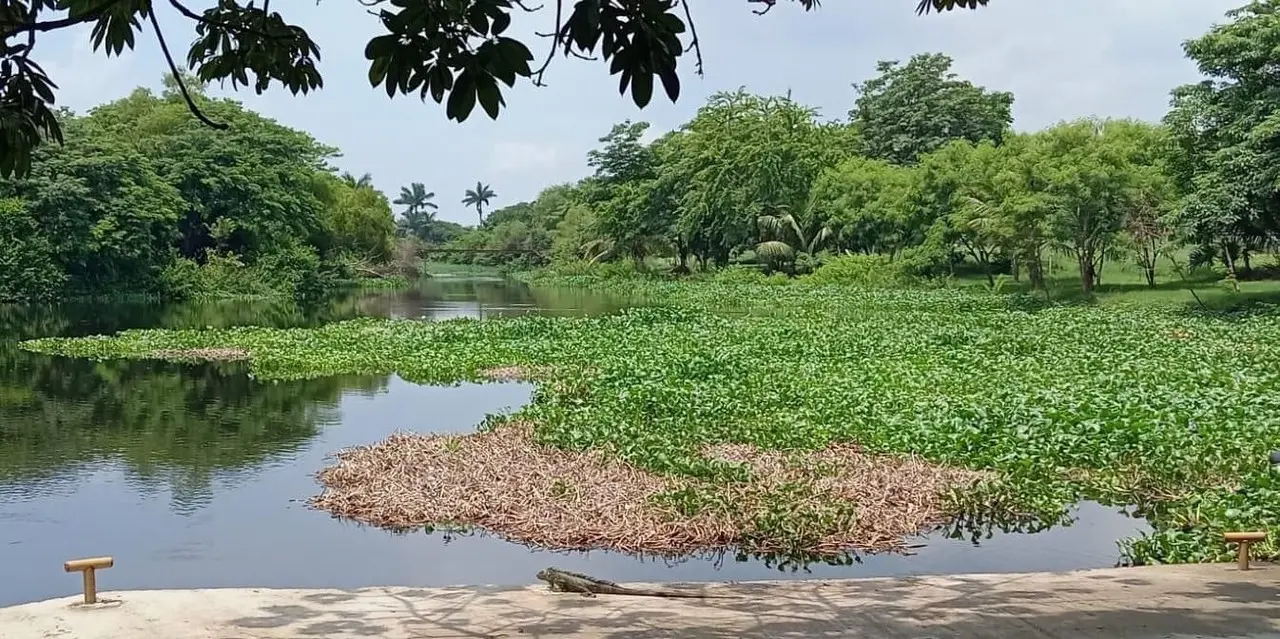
(87,568)
(1243,539)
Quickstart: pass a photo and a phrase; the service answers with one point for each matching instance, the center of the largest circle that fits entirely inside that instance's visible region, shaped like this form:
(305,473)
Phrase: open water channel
(195,475)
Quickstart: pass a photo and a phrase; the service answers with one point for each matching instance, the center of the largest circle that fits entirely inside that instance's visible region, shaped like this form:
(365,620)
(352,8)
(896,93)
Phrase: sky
(1062,59)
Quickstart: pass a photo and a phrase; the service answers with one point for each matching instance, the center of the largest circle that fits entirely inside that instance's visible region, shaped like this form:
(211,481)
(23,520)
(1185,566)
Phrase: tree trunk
(984,259)
(1014,266)
(1085,261)
(1035,273)
(1231,267)
(682,257)
(722,257)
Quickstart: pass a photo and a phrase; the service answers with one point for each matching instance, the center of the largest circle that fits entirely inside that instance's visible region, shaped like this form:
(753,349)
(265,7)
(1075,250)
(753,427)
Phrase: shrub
(739,275)
(875,271)
(221,275)
(29,267)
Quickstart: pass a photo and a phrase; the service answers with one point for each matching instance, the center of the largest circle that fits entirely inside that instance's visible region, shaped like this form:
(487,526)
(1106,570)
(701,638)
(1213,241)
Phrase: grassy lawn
(1124,283)
(1144,404)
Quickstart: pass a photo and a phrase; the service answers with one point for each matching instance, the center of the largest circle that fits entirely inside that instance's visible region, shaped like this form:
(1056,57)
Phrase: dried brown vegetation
(514,373)
(505,482)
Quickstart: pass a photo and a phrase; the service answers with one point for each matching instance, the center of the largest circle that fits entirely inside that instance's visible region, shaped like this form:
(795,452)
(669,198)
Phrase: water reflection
(194,475)
(448,298)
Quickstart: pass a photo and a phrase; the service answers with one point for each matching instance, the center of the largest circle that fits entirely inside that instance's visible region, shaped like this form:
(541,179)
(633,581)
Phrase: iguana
(565,581)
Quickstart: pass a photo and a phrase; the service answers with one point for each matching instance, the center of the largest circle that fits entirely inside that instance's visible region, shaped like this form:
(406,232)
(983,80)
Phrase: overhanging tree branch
(693,35)
(555,42)
(632,35)
(177,77)
(223,25)
(62,23)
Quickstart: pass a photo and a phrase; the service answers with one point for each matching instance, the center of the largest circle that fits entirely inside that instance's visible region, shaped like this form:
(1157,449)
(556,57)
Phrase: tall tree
(143,199)
(912,109)
(1226,159)
(742,156)
(415,198)
(991,203)
(623,157)
(867,204)
(630,214)
(359,218)
(94,213)
(479,197)
(418,217)
(458,55)
(1094,172)
(247,190)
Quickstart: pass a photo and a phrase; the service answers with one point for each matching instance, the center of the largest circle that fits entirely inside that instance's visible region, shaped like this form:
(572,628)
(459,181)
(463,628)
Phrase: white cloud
(524,157)
(85,78)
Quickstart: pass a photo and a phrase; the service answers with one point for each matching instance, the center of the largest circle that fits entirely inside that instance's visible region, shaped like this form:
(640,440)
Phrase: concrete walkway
(1163,601)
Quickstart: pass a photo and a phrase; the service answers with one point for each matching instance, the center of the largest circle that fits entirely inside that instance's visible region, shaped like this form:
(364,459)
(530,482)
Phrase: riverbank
(1157,601)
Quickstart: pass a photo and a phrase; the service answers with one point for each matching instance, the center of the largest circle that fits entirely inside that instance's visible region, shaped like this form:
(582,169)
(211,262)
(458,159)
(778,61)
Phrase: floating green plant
(1172,412)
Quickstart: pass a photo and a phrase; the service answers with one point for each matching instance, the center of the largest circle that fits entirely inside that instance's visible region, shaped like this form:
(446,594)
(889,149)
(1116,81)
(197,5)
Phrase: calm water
(195,475)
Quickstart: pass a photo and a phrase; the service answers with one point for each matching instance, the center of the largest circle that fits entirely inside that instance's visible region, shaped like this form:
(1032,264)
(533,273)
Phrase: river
(195,475)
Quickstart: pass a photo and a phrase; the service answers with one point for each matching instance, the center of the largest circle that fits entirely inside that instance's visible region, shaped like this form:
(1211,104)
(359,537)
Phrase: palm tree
(416,197)
(419,216)
(356,183)
(479,197)
(789,235)
(420,224)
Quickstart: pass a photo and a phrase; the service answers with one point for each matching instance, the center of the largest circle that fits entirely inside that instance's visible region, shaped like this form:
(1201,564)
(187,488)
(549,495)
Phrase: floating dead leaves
(505,482)
(195,354)
(845,496)
(515,373)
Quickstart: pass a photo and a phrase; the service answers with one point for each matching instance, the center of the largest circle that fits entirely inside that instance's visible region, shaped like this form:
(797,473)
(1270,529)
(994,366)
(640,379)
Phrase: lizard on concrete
(565,581)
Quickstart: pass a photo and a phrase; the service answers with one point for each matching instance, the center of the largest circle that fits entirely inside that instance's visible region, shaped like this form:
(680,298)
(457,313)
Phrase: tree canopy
(141,198)
(922,177)
(1225,129)
(925,178)
(457,52)
(912,109)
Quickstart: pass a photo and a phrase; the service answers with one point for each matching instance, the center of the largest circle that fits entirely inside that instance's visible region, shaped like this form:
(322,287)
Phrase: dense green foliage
(913,109)
(461,50)
(926,173)
(1144,405)
(1224,129)
(143,200)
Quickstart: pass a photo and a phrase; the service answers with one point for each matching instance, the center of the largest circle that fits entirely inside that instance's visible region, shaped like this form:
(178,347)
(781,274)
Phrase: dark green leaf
(462,99)
(501,21)
(489,95)
(642,88)
(671,83)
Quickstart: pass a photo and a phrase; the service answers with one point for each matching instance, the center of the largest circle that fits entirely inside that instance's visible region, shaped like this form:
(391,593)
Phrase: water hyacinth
(1173,412)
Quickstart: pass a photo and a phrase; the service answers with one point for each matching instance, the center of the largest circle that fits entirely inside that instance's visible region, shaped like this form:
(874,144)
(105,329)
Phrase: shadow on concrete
(1096,606)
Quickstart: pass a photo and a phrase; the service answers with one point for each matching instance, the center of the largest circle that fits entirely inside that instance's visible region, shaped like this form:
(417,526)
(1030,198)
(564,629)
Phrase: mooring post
(1243,539)
(87,568)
